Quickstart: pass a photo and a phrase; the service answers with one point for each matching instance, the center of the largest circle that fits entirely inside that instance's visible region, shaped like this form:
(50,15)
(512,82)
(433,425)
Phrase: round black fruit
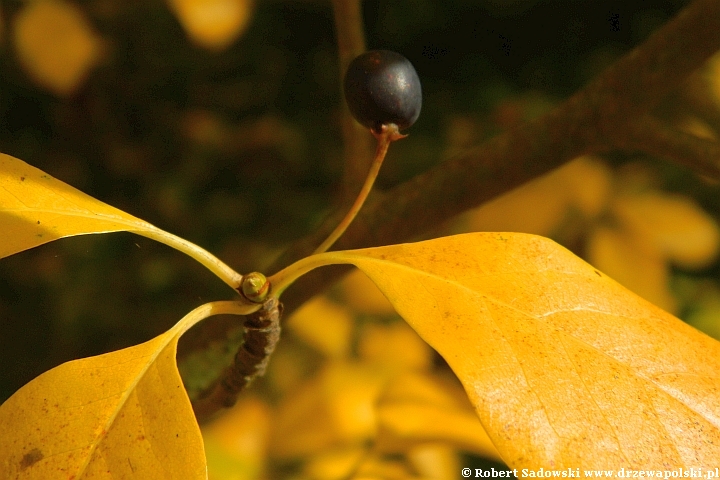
(382,87)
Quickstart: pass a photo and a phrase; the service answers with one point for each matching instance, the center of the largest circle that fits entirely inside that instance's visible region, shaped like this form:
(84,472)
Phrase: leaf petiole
(207,259)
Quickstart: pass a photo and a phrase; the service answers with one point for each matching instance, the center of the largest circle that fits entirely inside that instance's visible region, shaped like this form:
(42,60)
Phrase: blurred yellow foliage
(213,24)
(396,347)
(236,444)
(361,294)
(540,206)
(633,262)
(324,325)
(419,408)
(631,231)
(55,44)
(675,225)
(334,408)
(437,462)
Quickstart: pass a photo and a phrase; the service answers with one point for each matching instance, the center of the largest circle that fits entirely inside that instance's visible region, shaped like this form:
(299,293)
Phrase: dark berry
(382,87)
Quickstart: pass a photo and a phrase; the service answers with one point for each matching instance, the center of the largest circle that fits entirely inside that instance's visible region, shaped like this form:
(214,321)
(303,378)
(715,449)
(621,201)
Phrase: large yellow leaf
(36,208)
(565,367)
(124,414)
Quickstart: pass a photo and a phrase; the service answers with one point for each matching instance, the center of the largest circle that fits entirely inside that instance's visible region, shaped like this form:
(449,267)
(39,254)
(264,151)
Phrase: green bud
(255,287)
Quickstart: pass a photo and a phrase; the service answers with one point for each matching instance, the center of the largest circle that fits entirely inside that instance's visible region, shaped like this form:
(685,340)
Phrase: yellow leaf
(36,208)
(124,414)
(675,224)
(213,24)
(55,44)
(588,182)
(332,464)
(565,367)
(540,206)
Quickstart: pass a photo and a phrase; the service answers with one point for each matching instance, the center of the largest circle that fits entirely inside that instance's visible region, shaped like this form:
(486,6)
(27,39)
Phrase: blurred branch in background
(595,119)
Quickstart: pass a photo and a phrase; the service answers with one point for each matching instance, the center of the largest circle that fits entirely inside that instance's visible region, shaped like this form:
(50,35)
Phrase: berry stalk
(388,134)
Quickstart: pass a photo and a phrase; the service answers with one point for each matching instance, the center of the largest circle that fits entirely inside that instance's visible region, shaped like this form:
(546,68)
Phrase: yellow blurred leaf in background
(335,408)
(633,262)
(435,461)
(56,45)
(588,181)
(324,325)
(539,206)
(395,346)
(213,24)
(676,225)
(334,463)
(417,408)
(236,443)
(362,295)
(536,207)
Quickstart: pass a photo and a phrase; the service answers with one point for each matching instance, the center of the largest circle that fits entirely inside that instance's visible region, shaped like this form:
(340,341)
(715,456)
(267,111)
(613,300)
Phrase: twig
(262,332)
(653,137)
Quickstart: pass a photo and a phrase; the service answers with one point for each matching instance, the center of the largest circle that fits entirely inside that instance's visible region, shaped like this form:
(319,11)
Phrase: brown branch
(262,332)
(651,136)
(589,121)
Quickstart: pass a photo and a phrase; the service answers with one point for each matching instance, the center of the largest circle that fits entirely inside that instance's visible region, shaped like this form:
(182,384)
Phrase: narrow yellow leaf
(124,414)
(565,367)
(36,208)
